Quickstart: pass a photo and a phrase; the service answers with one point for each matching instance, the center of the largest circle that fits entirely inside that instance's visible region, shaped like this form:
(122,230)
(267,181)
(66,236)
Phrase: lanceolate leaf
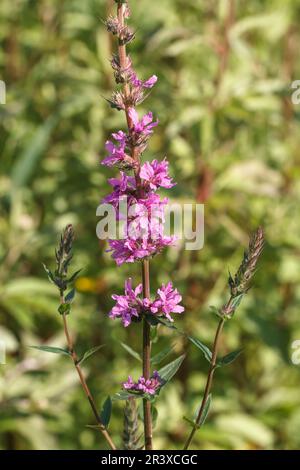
(131,351)
(152,319)
(168,371)
(237,300)
(205,350)
(229,358)
(205,410)
(70,296)
(74,276)
(49,274)
(52,349)
(203,416)
(167,323)
(124,395)
(105,413)
(89,353)
(93,426)
(159,357)
(28,161)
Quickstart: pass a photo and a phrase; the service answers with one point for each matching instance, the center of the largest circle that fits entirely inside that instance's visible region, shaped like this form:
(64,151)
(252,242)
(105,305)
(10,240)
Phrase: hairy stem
(208,382)
(84,385)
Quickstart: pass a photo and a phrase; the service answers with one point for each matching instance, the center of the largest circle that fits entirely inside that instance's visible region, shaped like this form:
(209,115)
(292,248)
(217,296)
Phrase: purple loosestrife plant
(144,236)
(137,186)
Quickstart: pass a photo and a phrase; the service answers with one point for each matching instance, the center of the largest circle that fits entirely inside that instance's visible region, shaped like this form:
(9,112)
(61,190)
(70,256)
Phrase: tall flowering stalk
(143,232)
(61,279)
(238,286)
(143,238)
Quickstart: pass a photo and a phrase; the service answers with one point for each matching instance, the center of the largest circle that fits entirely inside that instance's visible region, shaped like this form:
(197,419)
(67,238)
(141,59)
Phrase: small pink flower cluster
(121,144)
(131,306)
(143,235)
(143,385)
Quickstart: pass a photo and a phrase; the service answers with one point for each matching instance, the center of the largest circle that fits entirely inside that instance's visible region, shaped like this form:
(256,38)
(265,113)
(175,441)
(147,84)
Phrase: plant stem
(84,385)
(146,359)
(145,264)
(208,382)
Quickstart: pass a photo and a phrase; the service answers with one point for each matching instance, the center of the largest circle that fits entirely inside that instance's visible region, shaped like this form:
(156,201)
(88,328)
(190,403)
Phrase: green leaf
(205,350)
(154,321)
(70,296)
(89,353)
(153,335)
(168,371)
(203,416)
(105,413)
(52,350)
(49,274)
(229,358)
(151,319)
(124,395)
(205,410)
(28,162)
(154,414)
(237,300)
(74,276)
(216,311)
(131,351)
(167,323)
(159,357)
(93,426)
(64,309)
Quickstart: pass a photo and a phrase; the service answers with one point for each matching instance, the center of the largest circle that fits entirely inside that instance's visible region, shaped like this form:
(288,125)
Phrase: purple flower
(150,82)
(149,386)
(128,305)
(117,151)
(124,186)
(146,217)
(156,174)
(129,250)
(136,82)
(166,302)
(143,126)
(129,385)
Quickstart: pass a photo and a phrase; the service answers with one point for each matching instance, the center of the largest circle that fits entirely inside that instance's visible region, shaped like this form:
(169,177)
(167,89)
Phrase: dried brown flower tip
(124,33)
(117,100)
(112,24)
(121,74)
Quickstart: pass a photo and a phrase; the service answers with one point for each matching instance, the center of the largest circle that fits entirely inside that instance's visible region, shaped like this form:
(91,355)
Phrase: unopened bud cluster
(240,283)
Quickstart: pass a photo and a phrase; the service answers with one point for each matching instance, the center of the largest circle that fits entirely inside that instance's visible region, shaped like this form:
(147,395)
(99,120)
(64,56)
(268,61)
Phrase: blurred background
(231,133)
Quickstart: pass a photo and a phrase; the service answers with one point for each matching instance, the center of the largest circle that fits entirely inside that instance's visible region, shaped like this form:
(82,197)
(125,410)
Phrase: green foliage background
(231,133)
